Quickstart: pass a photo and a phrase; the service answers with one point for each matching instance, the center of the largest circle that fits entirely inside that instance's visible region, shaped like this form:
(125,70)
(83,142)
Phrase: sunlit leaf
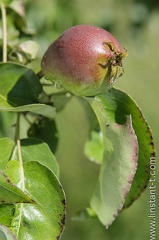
(31,149)
(32,174)
(6,146)
(10,193)
(47,213)
(36,150)
(14,172)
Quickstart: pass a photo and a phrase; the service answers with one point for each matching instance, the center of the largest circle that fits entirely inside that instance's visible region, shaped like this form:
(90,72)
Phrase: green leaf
(117,171)
(35,150)
(17,27)
(118,165)
(45,218)
(47,211)
(18,85)
(10,193)
(6,146)
(84,214)
(5,233)
(94,147)
(27,177)
(60,100)
(18,22)
(41,109)
(6,214)
(121,102)
(49,214)
(31,149)
(19,90)
(14,172)
(113,110)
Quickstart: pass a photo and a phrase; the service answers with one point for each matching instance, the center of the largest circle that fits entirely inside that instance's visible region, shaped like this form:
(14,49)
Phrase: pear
(85,60)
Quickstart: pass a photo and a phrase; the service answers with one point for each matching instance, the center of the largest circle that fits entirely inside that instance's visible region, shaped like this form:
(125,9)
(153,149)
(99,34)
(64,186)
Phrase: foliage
(33,202)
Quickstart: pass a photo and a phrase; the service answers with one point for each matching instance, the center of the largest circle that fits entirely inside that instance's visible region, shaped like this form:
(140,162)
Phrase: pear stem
(40,74)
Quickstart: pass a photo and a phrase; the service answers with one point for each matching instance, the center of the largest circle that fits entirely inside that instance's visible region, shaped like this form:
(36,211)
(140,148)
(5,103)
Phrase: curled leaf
(25,52)
(117,170)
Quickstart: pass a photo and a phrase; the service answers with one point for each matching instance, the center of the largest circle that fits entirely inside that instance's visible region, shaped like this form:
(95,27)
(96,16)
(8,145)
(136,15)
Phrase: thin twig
(27,120)
(22,7)
(17,127)
(4,26)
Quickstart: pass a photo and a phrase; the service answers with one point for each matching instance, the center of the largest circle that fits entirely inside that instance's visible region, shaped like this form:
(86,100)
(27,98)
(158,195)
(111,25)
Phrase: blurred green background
(135,23)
